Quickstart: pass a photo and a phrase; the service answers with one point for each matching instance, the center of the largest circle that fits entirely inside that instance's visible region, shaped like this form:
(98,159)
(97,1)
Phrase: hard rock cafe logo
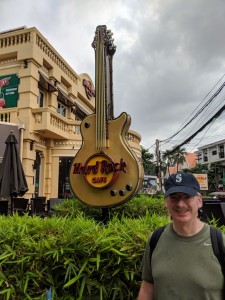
(3,82)
(89,89)
(99,170)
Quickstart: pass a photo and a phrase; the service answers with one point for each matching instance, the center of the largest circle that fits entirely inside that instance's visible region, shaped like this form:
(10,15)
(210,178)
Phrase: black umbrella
(12,178)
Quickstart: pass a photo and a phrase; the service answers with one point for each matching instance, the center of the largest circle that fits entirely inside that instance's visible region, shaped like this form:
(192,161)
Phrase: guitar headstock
(104,47)
(104,36)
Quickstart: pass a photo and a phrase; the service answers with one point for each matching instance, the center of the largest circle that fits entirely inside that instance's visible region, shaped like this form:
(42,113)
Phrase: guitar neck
(104,51)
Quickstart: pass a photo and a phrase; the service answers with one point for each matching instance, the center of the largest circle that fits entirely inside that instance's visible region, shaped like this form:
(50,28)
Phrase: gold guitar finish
(105,172)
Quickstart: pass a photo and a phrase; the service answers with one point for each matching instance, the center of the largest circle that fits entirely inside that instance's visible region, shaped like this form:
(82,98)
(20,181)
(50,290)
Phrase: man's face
(183,207)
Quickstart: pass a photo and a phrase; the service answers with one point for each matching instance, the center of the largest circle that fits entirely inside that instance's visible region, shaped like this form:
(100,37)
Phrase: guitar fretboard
(100,100)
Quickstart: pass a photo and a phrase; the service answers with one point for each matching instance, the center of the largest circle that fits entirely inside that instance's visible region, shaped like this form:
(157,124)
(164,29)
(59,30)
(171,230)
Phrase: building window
(221,151)
(205,155)
(214,152)
(41,99)
(61,109)
(199,157)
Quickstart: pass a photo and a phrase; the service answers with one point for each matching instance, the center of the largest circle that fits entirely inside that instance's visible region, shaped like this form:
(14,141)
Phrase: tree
(174,158)
(167,160)
(215,176)
(198,169)
(179,157)
(148,165)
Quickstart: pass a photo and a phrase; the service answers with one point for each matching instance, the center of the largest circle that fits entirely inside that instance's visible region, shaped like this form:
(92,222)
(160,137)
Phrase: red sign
(99,170)
(89,89)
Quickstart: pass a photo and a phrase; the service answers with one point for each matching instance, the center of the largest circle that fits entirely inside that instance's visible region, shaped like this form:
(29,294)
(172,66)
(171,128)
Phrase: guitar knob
(122,192)
(113,192)
(129,187)
(86,125)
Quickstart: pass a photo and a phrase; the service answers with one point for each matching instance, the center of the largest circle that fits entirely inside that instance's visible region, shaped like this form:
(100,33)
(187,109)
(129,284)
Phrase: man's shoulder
(219,230)
(156,234)
(159,230)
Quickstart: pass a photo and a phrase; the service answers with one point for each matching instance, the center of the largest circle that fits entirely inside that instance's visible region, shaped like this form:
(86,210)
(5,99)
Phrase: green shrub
(75,253)
(79,257)
(135,208)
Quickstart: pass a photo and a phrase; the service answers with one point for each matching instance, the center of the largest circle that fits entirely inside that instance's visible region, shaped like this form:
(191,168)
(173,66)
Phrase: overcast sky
(170,54)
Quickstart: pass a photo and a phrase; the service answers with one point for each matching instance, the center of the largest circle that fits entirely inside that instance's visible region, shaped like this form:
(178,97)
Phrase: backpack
(216,238)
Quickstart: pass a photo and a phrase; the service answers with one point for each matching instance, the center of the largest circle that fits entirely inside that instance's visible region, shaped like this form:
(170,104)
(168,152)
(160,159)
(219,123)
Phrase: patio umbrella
(12,178)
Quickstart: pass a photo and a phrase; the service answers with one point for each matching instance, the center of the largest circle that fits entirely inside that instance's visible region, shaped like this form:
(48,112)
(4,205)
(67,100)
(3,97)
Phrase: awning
(64,98)
(45,83)
(80,112)
(217,194)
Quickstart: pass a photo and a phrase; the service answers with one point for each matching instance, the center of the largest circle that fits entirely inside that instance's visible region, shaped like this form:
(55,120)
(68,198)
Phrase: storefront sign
(99,170)
(202,180)
(89,89)
(9,91)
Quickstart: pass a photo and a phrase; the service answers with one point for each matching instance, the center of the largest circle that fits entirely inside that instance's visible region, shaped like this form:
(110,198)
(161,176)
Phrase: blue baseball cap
(182,183)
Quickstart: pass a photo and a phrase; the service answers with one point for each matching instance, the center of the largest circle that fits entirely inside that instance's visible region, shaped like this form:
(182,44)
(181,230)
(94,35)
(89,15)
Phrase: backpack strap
(154,239)
(218,246)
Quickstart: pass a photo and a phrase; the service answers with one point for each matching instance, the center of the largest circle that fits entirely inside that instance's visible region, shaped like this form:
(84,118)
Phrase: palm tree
(174,157)
(168,160)
(179,157)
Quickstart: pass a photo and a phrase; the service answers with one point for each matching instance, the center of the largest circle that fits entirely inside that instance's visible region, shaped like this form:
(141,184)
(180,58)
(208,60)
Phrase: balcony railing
(52,125)
(133,136)
(15,39)
(9,115)
(32,35)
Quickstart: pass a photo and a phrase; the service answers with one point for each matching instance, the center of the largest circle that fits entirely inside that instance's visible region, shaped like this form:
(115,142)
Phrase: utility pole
(158,163)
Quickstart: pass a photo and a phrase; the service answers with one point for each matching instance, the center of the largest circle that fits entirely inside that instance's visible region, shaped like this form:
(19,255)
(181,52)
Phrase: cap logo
(178,178)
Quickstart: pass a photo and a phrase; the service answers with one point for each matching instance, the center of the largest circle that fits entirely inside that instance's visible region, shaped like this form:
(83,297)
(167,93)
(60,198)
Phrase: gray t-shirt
(184,268)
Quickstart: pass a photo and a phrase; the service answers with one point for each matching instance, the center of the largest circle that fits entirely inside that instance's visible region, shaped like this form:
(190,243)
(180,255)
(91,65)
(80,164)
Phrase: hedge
(75,254)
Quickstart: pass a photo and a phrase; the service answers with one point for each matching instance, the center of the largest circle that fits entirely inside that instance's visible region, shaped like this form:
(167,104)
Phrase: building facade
(214,153)
(46,101)
(211,153)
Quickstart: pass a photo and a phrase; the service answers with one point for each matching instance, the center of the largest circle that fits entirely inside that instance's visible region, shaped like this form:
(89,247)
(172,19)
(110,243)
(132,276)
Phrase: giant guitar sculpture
(105,172)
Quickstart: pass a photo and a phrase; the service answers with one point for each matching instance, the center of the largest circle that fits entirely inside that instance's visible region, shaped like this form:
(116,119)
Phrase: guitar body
(110,177)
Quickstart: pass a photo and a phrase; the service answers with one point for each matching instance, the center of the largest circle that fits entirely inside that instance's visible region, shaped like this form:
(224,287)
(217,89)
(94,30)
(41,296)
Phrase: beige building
(45,100)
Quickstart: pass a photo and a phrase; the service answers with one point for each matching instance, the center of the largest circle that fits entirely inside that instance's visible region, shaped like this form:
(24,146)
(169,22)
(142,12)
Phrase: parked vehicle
(150,184)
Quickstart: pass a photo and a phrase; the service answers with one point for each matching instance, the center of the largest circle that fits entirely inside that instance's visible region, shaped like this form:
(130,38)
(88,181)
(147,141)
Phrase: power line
(205,118)
(204,108)
(170,143)
(218,113)
(202,100)
(203,135)
(198,112)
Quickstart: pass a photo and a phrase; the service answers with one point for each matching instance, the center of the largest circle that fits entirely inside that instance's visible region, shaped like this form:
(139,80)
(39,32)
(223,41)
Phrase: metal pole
(158,165)
(21,129)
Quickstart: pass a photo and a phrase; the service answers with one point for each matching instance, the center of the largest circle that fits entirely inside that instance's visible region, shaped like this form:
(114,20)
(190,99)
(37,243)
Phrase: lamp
(32,145)
(25,64)
(35,165)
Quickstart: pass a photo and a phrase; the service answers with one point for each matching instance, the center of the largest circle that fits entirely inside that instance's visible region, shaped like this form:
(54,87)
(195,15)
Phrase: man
(183,265)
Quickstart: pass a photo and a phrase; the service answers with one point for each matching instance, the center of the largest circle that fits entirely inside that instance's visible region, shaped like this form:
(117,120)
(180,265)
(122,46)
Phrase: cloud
(169,53)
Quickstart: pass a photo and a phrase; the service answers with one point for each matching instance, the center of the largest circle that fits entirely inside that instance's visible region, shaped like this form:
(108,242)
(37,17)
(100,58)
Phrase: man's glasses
(178,197)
